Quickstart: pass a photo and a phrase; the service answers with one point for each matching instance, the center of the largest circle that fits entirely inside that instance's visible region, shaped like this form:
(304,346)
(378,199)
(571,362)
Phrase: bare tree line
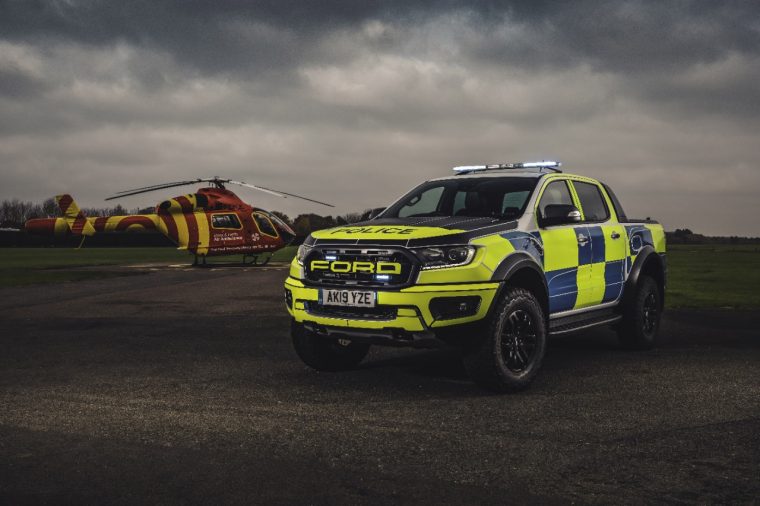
(14,213)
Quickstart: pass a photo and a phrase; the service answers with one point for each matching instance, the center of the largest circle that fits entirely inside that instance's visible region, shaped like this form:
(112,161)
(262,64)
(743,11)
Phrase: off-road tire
(641,316)
(492,362)
(324,354)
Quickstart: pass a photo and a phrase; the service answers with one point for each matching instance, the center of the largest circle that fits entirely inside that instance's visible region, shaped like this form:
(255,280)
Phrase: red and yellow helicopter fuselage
(210,222)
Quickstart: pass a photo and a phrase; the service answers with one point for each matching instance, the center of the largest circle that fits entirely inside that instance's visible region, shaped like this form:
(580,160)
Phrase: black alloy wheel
(509,354)
(642,312)
(518,341)
(650,316)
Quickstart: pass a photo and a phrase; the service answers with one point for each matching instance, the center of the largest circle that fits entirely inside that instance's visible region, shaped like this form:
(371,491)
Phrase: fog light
(447,308)
(288,298)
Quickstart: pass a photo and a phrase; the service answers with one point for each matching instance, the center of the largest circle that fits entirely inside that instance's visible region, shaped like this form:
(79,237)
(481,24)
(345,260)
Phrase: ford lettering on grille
(361,267)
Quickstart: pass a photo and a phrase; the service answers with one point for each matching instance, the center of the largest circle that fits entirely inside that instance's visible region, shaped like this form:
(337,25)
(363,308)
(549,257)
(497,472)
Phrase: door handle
(582,239)
(615,235)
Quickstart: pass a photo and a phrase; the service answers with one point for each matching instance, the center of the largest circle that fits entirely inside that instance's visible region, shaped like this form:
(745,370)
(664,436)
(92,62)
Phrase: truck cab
(492,260)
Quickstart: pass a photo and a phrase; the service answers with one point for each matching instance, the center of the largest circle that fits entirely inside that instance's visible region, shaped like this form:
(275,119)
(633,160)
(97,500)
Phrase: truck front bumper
(410,315)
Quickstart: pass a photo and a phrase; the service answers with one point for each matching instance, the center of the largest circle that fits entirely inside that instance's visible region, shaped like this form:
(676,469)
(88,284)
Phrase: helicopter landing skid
(256,261)
(248,261)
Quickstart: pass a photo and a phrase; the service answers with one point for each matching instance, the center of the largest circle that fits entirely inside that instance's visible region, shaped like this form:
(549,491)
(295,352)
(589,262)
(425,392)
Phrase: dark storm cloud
(242,36)
(641,36)
(97,96)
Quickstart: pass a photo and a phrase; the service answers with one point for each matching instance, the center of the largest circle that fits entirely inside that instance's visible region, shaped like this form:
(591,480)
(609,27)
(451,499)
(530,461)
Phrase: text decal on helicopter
(213,221)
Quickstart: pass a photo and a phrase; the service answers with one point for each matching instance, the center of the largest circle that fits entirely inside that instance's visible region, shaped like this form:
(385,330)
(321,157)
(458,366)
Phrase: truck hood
(422,231)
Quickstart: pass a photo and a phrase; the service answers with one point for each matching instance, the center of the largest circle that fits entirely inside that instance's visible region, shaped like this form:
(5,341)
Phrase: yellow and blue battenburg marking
(585,265)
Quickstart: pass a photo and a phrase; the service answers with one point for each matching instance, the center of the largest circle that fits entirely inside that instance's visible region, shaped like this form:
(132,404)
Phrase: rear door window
(615,203)
(592,202)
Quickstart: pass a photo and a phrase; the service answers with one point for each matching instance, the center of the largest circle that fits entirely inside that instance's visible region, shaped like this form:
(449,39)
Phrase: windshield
(496,197)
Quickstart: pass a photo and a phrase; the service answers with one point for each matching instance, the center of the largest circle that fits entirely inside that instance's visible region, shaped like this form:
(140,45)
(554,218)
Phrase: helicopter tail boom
(75,219)
(74,222)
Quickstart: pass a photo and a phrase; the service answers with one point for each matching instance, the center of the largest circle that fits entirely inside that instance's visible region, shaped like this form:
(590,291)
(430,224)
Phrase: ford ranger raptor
(492,260)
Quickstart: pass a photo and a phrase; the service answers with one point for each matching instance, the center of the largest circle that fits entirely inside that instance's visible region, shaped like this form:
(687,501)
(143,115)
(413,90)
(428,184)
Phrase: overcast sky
(355,102)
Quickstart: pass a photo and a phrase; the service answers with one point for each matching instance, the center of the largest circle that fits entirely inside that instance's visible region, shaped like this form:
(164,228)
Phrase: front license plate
(353,298)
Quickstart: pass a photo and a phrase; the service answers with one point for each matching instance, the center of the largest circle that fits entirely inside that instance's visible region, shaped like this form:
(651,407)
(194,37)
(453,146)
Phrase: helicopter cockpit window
(225,221)
(265,225)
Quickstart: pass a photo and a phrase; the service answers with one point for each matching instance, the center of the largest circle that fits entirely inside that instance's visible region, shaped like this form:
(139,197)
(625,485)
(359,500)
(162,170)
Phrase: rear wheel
(641,316)
(325,354)
(511,352)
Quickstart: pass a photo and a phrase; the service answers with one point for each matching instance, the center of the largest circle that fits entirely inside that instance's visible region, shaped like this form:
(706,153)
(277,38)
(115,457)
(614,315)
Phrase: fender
(641,258)
(645,255)
(518,262)
(514,262)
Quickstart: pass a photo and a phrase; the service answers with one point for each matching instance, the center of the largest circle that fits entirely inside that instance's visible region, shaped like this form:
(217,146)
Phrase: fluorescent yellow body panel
(590,285)
(383,232)
(493,250)
(614,249)
(296,271)
(658,237)
(415,316)
(560,248)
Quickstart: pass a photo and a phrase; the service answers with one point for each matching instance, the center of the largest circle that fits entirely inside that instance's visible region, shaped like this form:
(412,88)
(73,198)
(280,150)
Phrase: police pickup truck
(492,260)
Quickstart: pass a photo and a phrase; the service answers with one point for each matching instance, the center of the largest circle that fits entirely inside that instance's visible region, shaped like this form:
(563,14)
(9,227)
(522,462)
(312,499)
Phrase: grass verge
(699,276)
(25,266)
(713,276)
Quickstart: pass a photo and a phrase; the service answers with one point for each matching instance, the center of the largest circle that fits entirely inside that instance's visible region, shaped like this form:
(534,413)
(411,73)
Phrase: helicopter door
(226,232)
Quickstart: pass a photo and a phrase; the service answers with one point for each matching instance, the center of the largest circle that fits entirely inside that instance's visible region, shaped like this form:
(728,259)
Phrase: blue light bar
(469,168)
(330,257)
(382,277)
(546,164)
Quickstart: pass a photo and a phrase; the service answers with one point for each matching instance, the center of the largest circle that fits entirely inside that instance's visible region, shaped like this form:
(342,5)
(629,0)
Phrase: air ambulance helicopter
(213,221)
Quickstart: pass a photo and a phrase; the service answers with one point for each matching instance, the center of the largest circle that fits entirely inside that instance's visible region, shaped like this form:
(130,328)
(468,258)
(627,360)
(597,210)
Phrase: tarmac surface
(181,386)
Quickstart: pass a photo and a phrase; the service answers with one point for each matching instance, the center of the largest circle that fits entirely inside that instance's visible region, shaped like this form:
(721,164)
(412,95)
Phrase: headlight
(447,256)
(303,250)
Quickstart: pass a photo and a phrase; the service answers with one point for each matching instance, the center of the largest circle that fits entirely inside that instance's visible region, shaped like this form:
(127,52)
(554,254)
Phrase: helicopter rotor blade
(249,185)
(151,187)
(147,189)
(278,192)
(215,180)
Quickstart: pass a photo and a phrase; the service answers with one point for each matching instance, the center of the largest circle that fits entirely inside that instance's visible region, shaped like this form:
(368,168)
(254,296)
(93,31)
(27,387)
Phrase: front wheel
(641,316)
(511,352)
(325,354)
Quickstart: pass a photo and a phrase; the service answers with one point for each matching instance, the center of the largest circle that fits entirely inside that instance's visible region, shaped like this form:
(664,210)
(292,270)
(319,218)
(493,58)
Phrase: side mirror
(559,214)
(371,214)
(376,211)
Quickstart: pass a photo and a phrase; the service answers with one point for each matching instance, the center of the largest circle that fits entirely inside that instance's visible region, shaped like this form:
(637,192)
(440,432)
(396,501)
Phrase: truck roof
(496,173)
(536,174)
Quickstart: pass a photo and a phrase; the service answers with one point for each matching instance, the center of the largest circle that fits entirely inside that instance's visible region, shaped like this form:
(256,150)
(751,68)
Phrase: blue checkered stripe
(564,283)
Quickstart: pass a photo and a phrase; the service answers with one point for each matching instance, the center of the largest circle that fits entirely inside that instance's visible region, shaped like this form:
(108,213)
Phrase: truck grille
(362,313)
(349,267)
